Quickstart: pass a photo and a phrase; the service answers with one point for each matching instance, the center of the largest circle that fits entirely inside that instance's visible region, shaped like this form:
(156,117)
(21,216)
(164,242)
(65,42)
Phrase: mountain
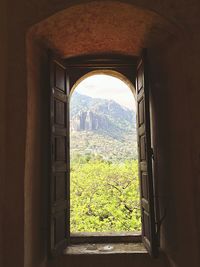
(101,116)
(102,127)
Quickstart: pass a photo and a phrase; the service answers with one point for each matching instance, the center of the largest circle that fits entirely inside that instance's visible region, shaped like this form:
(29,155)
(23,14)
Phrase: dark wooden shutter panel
(59,188)
(145,158)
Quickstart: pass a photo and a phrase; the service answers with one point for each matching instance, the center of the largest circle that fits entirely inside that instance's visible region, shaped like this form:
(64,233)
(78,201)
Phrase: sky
(107,87)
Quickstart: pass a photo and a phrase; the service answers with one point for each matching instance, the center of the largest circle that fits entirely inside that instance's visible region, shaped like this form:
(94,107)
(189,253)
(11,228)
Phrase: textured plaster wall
(102,27)
(175,99)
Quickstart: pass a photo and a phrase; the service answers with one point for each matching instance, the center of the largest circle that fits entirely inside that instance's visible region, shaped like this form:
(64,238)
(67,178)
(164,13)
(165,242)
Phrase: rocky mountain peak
(99,115)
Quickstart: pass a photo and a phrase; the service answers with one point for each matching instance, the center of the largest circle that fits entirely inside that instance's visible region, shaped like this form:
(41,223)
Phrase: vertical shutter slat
(145,159)
(59,125)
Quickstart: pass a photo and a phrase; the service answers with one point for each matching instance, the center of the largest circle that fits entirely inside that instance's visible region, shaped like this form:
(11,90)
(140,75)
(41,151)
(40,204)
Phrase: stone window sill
(105,248)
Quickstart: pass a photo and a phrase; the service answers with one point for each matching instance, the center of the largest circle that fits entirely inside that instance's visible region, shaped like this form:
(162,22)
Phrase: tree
(104,196)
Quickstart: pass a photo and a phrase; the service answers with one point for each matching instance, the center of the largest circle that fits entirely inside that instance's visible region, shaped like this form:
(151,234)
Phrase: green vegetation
(104,195)
(110,149)
(104,168)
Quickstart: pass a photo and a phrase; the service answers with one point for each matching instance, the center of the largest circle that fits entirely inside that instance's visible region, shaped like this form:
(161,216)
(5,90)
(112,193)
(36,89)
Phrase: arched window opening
(104,183)
(94,182)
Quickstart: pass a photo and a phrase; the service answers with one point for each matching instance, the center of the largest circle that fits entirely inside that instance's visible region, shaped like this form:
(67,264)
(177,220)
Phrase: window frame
(75,69)
(79,67)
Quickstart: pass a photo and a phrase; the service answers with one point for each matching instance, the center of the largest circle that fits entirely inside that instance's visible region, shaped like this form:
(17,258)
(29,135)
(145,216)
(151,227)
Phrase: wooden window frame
(74,69)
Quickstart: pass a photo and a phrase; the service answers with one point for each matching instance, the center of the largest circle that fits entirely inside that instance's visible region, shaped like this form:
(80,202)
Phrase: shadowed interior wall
(175,94)
(173,85)
(36,184)
(3,77)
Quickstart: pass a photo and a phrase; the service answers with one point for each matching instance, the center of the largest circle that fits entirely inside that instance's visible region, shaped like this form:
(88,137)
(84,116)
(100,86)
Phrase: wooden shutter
(59,189)
(145,158)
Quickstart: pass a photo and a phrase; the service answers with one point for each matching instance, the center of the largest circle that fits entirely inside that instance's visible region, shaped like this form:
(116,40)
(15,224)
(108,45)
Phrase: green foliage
(104,195)
(104,170)
(85,142)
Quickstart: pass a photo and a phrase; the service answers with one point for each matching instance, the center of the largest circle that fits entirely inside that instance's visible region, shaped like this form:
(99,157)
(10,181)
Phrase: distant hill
(101,126)
(100,116)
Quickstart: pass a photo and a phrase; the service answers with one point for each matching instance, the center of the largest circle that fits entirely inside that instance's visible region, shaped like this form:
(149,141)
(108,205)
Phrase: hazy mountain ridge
(100,116)
(102,127)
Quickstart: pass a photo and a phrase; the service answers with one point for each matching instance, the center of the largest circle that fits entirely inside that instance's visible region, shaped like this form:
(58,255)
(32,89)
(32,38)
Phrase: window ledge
(105,237)
(105,248)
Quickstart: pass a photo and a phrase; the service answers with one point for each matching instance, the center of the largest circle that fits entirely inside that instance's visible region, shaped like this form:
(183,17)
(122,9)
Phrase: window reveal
(60,165)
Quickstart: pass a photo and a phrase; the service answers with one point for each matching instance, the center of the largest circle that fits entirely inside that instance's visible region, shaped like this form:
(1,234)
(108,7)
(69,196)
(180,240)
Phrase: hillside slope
(102,127)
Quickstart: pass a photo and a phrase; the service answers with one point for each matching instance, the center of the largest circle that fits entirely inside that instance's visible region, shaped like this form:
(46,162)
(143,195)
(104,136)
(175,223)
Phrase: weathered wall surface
(130,28)
(176,95)
(174,82)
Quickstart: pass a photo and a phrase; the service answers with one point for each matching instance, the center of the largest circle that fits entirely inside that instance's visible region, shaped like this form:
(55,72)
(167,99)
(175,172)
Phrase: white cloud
(107,87)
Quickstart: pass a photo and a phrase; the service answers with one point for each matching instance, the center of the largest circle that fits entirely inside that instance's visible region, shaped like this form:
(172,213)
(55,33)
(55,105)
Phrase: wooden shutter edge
(151,245)
(55,250)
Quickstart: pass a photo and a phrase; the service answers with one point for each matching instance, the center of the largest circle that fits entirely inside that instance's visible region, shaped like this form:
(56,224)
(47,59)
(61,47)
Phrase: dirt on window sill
(106,248)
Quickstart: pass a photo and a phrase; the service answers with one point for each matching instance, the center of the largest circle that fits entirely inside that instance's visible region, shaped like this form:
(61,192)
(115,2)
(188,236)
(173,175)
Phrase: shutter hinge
(152,154)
